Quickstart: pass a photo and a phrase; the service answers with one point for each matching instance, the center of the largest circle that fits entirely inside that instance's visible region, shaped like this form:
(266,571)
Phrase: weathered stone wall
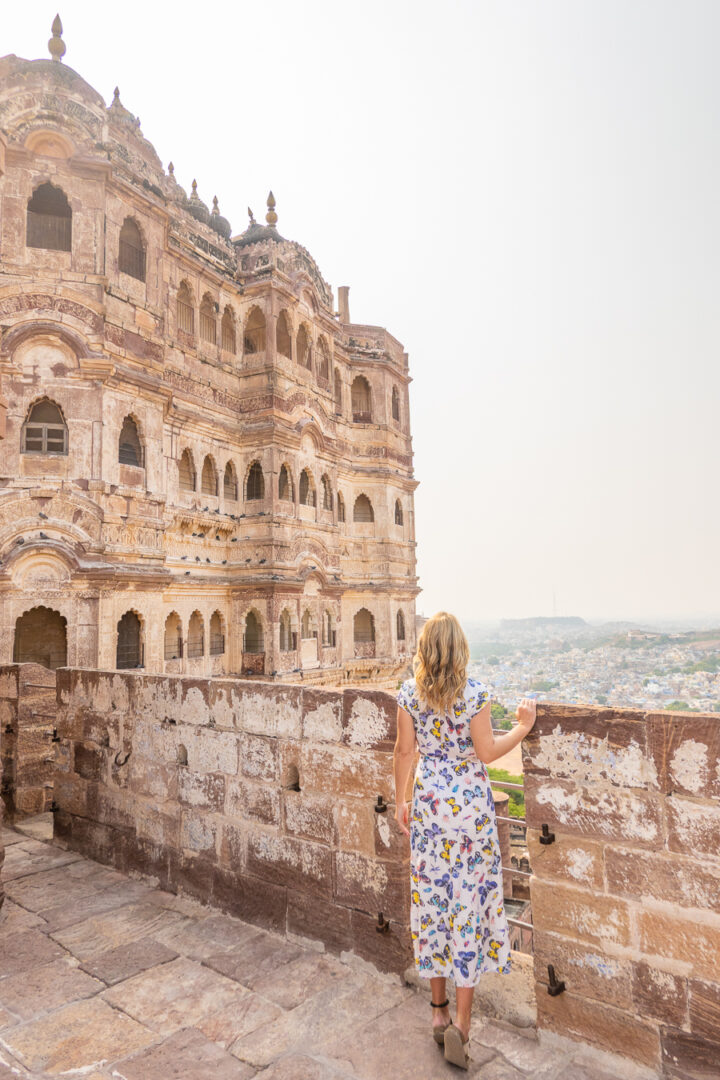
(254,797)
(626,901)
(27,717)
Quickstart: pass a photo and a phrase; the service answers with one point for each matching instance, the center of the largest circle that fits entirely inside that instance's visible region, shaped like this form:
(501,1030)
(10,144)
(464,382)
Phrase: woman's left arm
(403,757)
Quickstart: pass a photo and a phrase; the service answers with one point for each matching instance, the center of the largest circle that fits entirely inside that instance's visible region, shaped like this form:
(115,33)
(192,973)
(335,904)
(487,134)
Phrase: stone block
(686,752)
(199,832)
(372,885)
(389,841)
(309,916)
(310,816)
(590,744)
(259,757)
(251,898)
(675,878)
(89,761)
(580,913)
(285,860)
(346,771)
(356,825)
(201,791)
(267,709)
(192,875)
(572,859)
(233,846)
(389,951)
(369,719)
(322,715)
(607,1028)
(154,779)
(693,828)
(213,751)
(609,813)
(704,1008)
(686,1056)
(659,995)
(254,800)
(587,970)
(691,941)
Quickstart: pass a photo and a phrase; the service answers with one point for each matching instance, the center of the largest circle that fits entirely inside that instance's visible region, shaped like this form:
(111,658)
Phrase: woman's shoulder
(476,694)
(407,694)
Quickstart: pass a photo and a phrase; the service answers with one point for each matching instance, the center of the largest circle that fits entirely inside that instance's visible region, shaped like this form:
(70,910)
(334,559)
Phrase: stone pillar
(502,804)
(344,303)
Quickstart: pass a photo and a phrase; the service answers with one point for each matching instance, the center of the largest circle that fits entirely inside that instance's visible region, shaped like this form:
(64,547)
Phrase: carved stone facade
(206,469)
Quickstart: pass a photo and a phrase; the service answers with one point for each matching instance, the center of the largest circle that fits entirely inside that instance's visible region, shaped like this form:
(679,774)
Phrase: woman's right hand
(526,713)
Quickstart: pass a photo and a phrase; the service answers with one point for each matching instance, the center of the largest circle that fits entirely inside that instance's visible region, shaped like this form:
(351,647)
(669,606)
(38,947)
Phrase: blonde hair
(440,662)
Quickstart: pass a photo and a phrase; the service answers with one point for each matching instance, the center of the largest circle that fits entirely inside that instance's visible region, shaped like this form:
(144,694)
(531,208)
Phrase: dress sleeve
(480,697)
(402,698)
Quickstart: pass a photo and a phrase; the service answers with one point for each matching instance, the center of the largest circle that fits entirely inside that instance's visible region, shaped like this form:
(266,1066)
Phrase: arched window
(129,645)
(129,446)
(196,636)
(131,252)
(324,359)
(337,391)
(285,631)
(304,355)
(306,626)
(208,320)
(400,625)
(285,488)
(230,484)
(217,635)
(255,482)
(208,479)
(49,219)
(253,641)
(398,512)
(307,489)
(45,430)
(173,637)
(228,340)
(283,343)
(361,400)
(186,471)
(41,638)
(341,507)
(254,336)
(363,511)
(363,627)
(395,404)
(327,628)
(185,309)
(326,492)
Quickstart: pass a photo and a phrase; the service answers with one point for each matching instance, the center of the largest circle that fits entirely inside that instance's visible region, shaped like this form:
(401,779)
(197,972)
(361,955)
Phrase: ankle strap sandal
(439,1030)
(442,1005)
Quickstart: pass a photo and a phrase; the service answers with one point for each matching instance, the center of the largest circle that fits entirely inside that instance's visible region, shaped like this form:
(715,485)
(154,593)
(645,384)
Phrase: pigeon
(44,536)
(247,560)
(183,557)
(241,516)
(263,561)
(218,537)
(224,562)
(216,511)
(206,508)
(43,516)
(20,540)
(186,573)
(201,535)
(197,558)
(194,534)
(234,540)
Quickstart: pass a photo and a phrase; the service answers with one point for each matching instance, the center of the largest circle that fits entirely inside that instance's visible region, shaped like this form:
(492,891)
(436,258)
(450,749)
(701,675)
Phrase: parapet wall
(253,797)
(27,719)
(626,900)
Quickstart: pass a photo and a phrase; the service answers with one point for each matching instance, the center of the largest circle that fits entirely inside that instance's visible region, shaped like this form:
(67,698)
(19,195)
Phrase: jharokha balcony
(271,804)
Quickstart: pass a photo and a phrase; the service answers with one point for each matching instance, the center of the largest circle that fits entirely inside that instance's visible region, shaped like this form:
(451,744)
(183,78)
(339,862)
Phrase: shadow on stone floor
(104,976)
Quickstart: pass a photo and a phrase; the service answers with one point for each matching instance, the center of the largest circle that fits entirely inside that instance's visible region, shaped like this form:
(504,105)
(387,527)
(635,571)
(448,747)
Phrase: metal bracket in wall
(125,759)
(382,925)
(546,837)
(380,806)
(555,985)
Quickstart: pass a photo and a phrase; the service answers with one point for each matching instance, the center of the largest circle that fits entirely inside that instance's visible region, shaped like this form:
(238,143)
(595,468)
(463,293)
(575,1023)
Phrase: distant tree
(505,725)
(493,660)
(601,699)
(543,684)
(497,711)
(680,706)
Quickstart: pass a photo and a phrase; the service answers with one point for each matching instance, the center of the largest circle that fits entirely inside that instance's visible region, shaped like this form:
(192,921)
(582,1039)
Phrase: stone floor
(102,975)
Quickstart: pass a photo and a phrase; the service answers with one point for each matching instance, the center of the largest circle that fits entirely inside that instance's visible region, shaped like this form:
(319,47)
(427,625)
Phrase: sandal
(456,1047)
(439,1030)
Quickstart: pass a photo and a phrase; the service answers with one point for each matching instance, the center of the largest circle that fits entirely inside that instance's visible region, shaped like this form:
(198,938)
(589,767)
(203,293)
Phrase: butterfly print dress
(457,916)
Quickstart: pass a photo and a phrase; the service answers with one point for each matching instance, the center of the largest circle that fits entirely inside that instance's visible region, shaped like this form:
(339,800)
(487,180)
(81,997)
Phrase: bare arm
(403,757)
(487,745)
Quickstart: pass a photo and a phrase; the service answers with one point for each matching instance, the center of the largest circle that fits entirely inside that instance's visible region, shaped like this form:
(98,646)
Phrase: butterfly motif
(454,806)
(462,960)
(445,882)
(447,846)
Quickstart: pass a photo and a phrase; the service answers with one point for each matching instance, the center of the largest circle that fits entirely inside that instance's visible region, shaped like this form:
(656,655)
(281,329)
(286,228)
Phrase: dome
(219,223)
(197,207)
(255,233)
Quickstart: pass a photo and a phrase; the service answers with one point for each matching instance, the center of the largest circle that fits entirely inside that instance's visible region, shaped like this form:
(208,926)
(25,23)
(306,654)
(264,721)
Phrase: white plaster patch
(263,714)
(323,724)
(582,758)
(569,807)
(383,829)
(193,709)
(579,864)
(276,849)
(600,964)
(363,871)
(689,765)
(367,724)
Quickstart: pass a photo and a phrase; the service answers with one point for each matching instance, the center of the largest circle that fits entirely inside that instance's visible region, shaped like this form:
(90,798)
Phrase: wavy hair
(441,661)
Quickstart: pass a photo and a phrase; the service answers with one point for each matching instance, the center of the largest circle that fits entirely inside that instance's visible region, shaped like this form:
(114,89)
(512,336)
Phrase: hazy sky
(526,195)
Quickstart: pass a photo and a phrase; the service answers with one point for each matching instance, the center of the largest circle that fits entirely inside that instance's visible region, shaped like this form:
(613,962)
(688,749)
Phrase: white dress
(457,916)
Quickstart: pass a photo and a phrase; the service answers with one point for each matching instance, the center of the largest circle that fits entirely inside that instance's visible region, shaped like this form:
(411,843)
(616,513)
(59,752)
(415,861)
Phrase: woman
(458,923)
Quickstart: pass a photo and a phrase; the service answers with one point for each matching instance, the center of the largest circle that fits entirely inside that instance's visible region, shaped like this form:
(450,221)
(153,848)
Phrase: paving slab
(79,1036)
(522,1051)
(315,1023)
(14,918)
(10,837)
(242,1016)
(259,955)
(45,988)
(96,903)
(175,995)
(19,861)
(213,935)
(299,979)
(28,949)
(122,963)
(186,1055)
(301,1067)
(98,934)
(38,827)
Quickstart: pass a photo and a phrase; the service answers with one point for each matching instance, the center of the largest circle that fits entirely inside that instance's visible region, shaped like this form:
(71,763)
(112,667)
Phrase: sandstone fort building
(207,466)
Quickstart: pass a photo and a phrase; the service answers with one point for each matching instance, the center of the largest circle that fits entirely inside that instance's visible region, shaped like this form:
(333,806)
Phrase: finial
(271,216)
(194,189)
(216,208)
(56,45)
(252,217)
(171,169)
(116,96)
